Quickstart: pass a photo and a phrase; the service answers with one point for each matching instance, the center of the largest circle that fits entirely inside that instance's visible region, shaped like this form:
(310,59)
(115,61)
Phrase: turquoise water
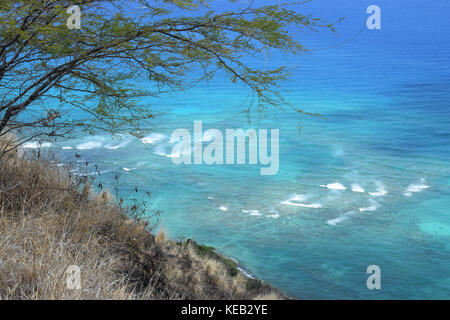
(385,96)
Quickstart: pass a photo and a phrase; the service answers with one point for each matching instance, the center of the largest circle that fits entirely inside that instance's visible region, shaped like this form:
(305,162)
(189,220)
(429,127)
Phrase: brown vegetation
(48,222)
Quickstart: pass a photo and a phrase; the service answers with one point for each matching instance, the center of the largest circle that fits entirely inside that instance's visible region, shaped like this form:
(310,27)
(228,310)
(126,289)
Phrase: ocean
(367,184)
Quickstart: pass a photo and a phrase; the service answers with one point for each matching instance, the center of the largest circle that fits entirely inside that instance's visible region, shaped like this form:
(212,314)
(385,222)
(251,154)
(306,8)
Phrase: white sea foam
(314,205)
(341,218)
(297,197)
(333,222)
(211,198)
(168,155)
(126,169)
(173,155)
(295,201)
(114,147)
(334,186)
(413,188)
(373,207)
(36,144)
(153,138)
(92,173)
(357,188)
(89,145)
(274,214)
(161,151)
(248,275)
(252,212)
(381,191)
(223,208)
(370,208)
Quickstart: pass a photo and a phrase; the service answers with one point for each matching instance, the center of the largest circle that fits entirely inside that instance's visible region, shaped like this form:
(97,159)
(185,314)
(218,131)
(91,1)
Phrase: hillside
(49,222)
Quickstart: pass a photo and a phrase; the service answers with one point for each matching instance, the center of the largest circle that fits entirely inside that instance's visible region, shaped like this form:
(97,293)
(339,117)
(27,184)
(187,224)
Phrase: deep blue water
(385,96)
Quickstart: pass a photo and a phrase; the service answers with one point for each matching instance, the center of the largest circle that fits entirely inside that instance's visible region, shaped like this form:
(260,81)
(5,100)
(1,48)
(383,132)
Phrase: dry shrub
(48,222)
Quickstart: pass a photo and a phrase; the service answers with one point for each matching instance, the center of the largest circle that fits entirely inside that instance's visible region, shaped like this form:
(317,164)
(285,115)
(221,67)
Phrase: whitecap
(341,218)
(357,188)
(295,201)
(92,173)
(248,275)
(334,186)
(314,205)
(373,207)
(274,214)
(381,191)
(153,138)
(114,147)
(36,144)
(89,145)
(173,155)
(297,197)
(413,188)
(160,150)
(333,222)
(370,208)
(252,212)
(223,208)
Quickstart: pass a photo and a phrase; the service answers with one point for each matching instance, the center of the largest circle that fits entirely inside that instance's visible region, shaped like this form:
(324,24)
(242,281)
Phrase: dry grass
(47,224)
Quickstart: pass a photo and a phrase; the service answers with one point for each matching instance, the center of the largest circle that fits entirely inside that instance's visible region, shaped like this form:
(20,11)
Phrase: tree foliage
(48,71)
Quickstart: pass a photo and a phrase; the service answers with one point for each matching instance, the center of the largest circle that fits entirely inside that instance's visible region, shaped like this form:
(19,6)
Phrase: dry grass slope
(47,224)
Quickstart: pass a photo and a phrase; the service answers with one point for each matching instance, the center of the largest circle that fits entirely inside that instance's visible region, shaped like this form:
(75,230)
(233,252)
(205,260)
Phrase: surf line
(213,153)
